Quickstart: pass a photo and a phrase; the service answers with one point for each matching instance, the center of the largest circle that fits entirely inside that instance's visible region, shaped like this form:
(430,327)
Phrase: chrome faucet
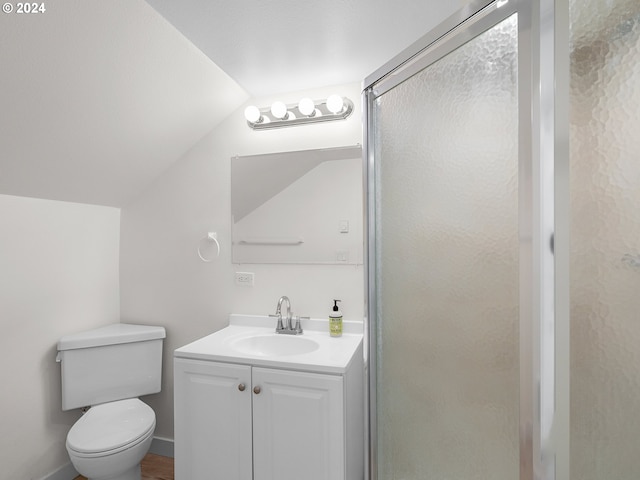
(287,328)
(279,310)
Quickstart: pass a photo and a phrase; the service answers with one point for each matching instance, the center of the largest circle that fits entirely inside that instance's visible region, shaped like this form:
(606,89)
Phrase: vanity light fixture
(280,114)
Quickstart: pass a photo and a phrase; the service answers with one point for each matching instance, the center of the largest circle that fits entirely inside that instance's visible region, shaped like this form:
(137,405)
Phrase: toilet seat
(111,427)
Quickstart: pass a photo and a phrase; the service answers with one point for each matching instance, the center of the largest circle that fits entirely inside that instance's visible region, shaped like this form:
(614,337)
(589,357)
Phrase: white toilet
(107,369)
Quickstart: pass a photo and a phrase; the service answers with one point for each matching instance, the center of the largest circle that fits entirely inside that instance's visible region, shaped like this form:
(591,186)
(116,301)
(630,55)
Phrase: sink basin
(275,345)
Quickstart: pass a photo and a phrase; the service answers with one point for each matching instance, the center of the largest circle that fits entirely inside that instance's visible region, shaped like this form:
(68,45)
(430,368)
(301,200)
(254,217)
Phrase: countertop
(333,355)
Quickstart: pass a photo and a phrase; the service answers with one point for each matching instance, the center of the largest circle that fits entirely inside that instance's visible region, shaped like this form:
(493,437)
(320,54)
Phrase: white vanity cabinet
(298,425)
(213,438)
(248,422)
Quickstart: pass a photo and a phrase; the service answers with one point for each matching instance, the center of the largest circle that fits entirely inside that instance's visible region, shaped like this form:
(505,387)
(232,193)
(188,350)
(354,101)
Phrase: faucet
(279,310)
(289,328)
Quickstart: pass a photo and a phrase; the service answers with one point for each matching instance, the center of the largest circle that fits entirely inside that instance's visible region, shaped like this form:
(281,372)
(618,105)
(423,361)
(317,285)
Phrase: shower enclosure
(503,184)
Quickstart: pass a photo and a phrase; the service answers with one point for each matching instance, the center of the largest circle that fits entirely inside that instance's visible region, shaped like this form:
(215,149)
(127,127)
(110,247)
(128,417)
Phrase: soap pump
(335,320)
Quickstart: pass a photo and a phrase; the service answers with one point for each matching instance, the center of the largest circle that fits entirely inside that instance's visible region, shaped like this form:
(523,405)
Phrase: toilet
(107,369)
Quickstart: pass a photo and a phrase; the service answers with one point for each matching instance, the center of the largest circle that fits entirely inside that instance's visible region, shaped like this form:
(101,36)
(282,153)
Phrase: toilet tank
(110,363)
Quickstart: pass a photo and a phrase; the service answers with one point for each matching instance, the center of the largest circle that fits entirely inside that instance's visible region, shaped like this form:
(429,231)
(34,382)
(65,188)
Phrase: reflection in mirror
(298,207)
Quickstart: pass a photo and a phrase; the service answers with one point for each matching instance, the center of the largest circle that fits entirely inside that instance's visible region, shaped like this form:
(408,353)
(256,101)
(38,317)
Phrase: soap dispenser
(335,320)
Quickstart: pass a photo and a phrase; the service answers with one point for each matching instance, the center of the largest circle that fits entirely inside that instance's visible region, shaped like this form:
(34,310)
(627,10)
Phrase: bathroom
(75,256)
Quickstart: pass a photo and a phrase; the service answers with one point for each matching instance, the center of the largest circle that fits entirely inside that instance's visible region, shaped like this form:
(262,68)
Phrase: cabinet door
(298,426)
(212,421)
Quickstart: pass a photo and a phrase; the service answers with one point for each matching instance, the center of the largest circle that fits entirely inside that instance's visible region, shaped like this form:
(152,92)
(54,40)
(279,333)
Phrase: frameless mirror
(298,207)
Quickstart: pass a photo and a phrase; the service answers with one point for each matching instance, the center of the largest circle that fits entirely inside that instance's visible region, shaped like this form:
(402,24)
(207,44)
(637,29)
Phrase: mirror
(300,207)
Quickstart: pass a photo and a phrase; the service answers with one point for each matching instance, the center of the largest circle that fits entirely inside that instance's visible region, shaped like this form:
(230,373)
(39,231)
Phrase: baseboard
(66,472)
(162,446)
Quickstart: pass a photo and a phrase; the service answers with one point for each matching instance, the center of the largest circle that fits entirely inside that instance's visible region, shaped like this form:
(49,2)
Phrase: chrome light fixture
(280,114)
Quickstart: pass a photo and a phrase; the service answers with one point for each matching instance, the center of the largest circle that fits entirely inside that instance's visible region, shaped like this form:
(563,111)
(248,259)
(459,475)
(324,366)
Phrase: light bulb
(252,114)
(279,110)
(335,103)
(307,107)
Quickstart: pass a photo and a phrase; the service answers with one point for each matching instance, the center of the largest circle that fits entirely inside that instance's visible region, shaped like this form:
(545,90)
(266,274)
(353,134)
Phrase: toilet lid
(110,426)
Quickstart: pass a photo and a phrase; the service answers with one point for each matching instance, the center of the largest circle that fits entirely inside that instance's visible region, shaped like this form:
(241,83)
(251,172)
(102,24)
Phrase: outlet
(244,279)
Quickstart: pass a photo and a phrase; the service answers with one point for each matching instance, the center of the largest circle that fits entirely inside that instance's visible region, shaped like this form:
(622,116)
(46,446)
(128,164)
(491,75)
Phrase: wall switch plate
(244,279)
(344,226)
(342,256)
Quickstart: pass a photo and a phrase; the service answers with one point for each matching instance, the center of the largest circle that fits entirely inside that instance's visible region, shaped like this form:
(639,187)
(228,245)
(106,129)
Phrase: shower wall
(605,239)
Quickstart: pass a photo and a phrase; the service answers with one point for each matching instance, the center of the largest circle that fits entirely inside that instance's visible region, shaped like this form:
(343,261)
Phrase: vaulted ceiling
(98,98)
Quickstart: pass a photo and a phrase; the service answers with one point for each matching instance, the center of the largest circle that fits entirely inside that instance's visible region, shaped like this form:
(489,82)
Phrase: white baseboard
(162,446)
(65,472)
(159,446)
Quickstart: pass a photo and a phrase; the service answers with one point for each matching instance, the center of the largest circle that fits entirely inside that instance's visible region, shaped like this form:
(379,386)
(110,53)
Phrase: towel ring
(212,237)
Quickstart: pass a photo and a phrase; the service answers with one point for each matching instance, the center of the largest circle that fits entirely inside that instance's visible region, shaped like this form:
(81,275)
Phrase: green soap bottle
(335,320)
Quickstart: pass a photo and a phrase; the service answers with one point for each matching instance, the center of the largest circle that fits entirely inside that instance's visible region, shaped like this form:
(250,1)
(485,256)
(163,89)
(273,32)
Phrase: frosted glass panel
(605,239)
(448,359)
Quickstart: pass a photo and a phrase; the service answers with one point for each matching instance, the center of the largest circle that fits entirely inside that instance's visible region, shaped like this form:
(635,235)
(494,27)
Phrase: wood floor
(154,467)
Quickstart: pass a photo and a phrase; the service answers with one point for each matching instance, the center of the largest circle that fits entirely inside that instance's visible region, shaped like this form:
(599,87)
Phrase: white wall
(58,275)
(164,282)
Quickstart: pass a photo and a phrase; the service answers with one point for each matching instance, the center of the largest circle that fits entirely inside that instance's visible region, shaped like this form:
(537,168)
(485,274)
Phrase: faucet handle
(298,326)
(279,326)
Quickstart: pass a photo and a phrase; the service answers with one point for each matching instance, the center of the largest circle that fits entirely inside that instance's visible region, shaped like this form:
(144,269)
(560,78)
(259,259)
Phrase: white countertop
(333,355)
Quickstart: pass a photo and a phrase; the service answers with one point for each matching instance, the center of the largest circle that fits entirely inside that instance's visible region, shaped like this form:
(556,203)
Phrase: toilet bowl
(109,441)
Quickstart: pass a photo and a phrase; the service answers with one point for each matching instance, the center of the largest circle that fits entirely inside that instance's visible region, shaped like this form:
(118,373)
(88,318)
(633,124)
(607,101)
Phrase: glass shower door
(447,265)
(605,239)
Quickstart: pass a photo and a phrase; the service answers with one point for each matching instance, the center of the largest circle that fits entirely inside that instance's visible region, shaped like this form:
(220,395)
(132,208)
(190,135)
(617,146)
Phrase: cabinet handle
(256,390)
(241,387)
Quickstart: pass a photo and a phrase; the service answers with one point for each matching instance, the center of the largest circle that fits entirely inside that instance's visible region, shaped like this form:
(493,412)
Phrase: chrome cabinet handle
(256,390)
(241,387)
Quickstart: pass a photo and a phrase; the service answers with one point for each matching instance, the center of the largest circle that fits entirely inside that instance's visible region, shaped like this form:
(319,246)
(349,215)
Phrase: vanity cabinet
(213,428)
(247,422)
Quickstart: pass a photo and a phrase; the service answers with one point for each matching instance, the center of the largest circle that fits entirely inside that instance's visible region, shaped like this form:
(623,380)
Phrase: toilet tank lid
(110,335)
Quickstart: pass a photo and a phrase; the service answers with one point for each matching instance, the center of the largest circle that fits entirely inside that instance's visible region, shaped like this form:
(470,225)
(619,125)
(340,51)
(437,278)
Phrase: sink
(252,340)
(275,345)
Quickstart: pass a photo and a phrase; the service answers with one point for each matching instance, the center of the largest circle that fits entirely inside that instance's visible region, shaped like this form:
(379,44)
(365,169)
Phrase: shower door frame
(543,166)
